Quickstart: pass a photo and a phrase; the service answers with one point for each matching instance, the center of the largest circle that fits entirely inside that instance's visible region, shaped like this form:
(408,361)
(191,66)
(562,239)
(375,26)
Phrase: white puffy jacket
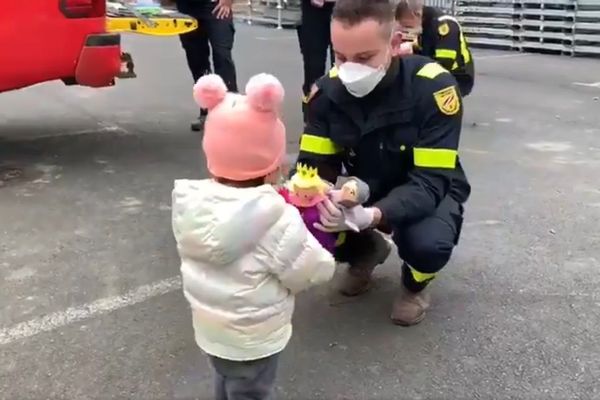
(244,254)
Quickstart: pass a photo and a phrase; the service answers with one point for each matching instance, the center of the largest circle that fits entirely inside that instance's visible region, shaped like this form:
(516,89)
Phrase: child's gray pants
(245,380)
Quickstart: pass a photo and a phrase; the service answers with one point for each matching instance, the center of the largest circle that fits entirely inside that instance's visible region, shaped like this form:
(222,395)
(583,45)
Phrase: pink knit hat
(243,136)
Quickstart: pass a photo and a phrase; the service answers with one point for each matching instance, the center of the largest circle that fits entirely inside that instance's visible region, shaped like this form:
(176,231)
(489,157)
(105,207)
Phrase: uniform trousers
(425,246)
(212,33)
(315,43)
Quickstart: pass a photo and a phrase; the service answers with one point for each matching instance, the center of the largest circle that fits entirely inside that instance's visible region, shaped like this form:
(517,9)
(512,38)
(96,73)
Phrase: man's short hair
(353,12)
(408,6)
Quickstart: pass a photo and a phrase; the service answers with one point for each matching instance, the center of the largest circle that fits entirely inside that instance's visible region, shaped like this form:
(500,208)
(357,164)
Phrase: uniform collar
(387,81)
(389,97)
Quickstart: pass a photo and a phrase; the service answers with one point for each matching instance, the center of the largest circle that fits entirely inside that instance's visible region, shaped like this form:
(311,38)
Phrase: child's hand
(335,195)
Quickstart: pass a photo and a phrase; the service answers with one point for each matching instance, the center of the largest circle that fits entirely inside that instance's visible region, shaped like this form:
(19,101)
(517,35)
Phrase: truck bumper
(100,61)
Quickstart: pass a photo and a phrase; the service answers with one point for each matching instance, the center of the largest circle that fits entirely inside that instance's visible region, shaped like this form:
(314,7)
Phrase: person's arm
(435,153)
(448,49)
(316,147)
(300,261)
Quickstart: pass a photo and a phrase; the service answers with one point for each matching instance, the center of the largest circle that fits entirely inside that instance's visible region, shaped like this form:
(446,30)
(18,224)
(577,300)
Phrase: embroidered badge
(447,100)
(444,29)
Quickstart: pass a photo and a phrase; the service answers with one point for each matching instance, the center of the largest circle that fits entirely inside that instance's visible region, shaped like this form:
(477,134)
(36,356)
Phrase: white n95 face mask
(359,79)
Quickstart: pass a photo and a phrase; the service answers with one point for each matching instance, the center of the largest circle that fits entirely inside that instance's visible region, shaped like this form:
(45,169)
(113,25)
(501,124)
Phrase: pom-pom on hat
(244,138)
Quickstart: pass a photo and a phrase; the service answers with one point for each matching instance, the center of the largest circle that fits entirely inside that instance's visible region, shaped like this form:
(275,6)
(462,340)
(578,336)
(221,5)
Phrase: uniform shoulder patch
(333,72)
(447,100)
(443,29)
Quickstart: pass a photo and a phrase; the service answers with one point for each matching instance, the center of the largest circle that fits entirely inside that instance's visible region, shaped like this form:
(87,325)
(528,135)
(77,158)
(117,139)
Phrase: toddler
(244,252)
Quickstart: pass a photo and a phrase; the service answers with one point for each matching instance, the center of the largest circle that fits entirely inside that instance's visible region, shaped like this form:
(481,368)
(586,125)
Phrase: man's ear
(396,40)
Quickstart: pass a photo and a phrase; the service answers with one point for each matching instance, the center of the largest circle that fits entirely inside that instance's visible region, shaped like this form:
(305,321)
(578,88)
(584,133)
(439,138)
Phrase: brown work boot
(409,308)
(358,277)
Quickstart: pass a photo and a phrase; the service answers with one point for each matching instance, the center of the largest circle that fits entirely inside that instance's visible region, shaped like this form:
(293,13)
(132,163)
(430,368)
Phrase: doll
(349,192)
(352,191)
(305,190)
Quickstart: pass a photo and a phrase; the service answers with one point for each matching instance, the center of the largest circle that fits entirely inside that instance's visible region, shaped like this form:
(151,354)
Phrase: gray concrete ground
(516,313)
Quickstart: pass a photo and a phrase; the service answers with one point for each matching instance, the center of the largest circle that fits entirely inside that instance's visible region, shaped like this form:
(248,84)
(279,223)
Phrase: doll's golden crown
(306,176)
(306,172)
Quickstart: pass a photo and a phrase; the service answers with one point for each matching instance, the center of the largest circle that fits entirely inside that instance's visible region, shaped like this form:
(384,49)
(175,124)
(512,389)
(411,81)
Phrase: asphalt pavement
(91,306)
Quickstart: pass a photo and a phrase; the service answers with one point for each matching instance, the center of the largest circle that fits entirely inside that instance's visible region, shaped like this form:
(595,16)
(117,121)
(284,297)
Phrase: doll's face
(306,197)
(350,191)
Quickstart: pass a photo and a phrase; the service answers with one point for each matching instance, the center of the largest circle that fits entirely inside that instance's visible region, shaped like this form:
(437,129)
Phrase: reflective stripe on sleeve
(318,145)
(435,158)
(445,53)
(464,49)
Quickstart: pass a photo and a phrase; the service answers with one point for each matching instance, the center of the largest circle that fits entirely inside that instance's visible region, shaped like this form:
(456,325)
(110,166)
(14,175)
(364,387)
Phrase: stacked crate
(546,25)
(554,26)
(445,5)
(587,28)
(489,23)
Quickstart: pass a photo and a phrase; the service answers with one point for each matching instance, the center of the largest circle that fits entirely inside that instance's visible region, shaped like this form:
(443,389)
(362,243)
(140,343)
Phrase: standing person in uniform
(395,123)
(215,32)
(439,37)
(315,42)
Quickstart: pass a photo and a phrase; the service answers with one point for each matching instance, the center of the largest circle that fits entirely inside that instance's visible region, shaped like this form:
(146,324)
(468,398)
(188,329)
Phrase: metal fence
(560,26)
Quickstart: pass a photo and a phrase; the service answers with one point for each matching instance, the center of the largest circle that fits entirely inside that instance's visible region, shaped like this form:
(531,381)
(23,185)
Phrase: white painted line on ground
(72,315)
(590,84)
(105,128)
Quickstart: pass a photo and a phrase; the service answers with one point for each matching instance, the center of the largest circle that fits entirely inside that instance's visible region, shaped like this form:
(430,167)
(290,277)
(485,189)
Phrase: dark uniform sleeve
(448,46)
(435,153)
(316,147)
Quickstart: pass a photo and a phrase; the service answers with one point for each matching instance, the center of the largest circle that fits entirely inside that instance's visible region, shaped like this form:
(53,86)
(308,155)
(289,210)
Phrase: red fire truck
(71,40)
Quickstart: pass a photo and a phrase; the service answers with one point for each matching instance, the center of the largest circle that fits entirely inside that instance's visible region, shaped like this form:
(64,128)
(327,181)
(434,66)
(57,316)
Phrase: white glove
(335,219)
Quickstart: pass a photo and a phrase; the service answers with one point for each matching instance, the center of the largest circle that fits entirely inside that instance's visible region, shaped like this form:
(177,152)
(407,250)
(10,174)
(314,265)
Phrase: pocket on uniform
(397,148)
(401,139)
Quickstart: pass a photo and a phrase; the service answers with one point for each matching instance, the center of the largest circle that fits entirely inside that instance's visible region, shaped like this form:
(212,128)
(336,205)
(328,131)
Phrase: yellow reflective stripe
(445,53)
(318,145)
(420,277)
(464,49)
(333,72)
(454,66)
(435,158)
(340,239)
(431,70)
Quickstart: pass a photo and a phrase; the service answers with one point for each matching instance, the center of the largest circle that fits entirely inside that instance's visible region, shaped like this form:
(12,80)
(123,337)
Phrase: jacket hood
(219,224)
